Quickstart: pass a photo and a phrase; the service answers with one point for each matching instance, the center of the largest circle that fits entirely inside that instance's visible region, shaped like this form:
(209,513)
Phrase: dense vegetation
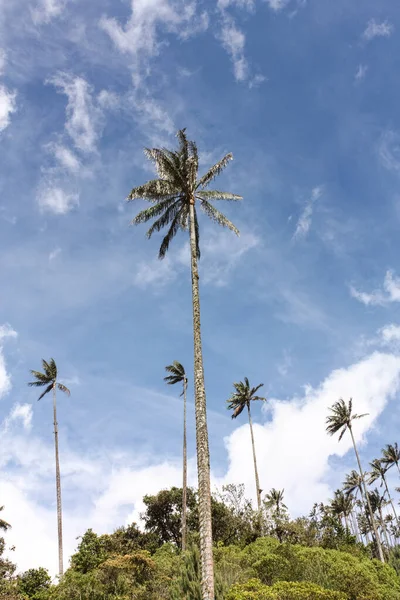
(309,558)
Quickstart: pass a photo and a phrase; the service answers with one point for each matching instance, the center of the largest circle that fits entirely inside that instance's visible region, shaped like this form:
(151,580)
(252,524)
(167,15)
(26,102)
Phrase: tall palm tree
(378,471)
(341,419)
(240,399)
(352,485)
(391,456)
(49,379)
(174,197)
(178,375)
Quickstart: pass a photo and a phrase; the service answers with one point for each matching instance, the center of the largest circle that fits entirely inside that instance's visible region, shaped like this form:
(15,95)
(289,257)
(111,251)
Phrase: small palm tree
(378,471)
(342,506)
(174,197)
(49,379)
(341,419)
(178,375)
(240,399)
(391,456)
(274,500)
(378,503)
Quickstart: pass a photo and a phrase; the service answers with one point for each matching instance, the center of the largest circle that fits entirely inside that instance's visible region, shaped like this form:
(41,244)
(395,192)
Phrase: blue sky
(305,95)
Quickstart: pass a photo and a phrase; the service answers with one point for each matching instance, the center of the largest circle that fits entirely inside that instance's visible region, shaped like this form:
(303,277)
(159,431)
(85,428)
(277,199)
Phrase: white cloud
(390,292)
(56,200)
(390,334)
(277,4)
(84,119)
(297,427)
(22,413)
(66,158)
(233,40)
(389,150)
(154,273)
(7,106)
(361,72)
(6,331)
(305,219)
(139,36)
(54,253)
(375,29)
(47,10)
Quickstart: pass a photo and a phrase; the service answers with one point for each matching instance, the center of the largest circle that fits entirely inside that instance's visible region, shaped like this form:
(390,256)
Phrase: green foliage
(34,584)
(255,590)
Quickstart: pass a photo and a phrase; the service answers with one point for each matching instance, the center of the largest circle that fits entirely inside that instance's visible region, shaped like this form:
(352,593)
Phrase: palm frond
(46,391)
(153,190)
(40,376)
(172,231)
(63,388)
(217,216)
(53,368)
(46,367)
(153,211)
(177,373)
(217,195)
(214,171)
(166,218)
(164,166)
(238,410)
(38,383)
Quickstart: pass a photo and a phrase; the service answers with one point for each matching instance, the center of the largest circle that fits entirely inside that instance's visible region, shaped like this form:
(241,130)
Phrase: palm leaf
(168,216)
(153,211)
(217,216)
(214,171)
(216,195)
(46,391)
(154,190)
(175,225)
(63,388)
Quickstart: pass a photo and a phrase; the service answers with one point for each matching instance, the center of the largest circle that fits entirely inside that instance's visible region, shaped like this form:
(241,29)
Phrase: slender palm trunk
(373,522)
(398,468)
(58,489)
(184,485)
(383,527)
(255,461)
(355,526)
(203,452)
(390,500)
(347,524)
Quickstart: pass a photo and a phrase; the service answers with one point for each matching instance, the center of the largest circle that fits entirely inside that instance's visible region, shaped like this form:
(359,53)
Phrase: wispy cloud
(6,331)
(7,106)
(46,10)
(84,118)
(361,72)
(305,219)
(139,36)
(375,29)
(389,294)
(65,157)
(390,334)
(56,200)
(277,4)
(389,150)
(233,40)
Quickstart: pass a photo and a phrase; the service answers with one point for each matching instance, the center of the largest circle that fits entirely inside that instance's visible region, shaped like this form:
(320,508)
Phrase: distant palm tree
(178,375)
(379,472)
(174,196)
(378,503)
(3,524)
(342,506)
(239,400)
(341,419)
(391,456)
(274,500)
(49,379)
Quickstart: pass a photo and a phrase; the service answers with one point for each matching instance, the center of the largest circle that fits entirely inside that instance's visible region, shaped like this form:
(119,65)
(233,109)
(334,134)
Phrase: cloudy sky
(305,95)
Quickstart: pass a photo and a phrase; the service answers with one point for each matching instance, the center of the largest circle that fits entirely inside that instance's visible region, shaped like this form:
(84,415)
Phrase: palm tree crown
(378,471)
(177,187)
(242,396)
(48,378)
(3,524)
(352,483)
(341,417)
(178,374)
(274,500)
(391,455)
